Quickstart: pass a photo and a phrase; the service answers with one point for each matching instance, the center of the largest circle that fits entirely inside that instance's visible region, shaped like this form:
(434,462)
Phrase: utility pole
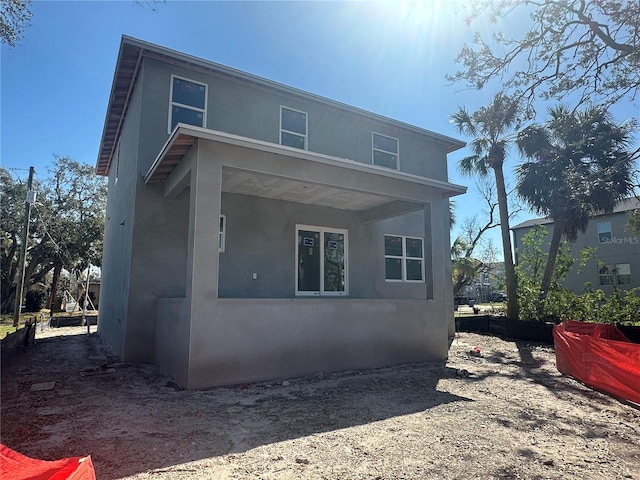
(86,301)
(31,198)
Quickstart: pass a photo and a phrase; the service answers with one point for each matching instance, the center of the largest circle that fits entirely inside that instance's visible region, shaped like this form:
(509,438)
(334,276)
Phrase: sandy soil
(513,417)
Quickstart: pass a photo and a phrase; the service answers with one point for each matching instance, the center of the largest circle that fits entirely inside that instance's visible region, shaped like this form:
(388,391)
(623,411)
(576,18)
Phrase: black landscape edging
(521,329)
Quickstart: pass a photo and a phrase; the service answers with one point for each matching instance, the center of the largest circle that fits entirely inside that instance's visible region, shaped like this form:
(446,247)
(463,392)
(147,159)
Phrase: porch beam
(389,210)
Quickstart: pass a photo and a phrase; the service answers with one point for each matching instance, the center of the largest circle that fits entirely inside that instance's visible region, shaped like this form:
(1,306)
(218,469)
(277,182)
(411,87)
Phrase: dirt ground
(513,417)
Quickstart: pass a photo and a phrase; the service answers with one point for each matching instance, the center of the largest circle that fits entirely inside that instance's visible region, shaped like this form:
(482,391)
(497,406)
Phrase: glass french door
(321,261)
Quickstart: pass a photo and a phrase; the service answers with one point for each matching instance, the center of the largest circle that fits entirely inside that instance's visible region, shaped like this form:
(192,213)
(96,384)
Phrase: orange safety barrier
(15,466)
(600,356)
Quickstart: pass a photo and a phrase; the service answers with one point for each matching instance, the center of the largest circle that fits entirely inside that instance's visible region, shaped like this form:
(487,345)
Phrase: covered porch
(242,317)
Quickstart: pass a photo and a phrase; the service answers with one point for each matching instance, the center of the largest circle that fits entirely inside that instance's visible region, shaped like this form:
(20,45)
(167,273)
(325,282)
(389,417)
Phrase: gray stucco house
(255,231)
(617,250)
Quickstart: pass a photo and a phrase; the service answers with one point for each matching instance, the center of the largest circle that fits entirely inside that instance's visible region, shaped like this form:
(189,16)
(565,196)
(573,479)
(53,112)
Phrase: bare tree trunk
(556,236)
(54,287)
(509,268)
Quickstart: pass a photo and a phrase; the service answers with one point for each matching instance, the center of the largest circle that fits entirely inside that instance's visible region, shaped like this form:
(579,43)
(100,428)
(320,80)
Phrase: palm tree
(578,166)
(492,127)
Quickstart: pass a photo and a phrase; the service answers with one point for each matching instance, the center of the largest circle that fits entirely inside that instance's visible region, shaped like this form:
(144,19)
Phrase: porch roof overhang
(262,184)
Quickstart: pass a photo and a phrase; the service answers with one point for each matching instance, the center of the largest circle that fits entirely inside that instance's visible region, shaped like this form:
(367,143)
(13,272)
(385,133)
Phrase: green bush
(35,300)
(560,303)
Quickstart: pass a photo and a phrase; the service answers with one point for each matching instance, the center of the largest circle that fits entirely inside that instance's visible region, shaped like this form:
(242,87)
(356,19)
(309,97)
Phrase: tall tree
(66,229)
(579,165)
(587,47)
(492,129)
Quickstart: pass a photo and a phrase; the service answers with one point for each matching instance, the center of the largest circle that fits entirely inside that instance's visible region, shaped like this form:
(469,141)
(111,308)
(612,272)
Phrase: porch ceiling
(268,186)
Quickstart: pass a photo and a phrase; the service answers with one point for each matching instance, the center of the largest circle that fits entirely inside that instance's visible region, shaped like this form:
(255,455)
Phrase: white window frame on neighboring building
(622,270)
(617,274)
(222,233)
(375,149)
(321,231)
(603,228)
(605,272)
(404,258)
(194,108)
(291,132)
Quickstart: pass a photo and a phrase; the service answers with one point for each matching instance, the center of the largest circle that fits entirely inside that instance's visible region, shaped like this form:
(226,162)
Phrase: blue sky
(388,58)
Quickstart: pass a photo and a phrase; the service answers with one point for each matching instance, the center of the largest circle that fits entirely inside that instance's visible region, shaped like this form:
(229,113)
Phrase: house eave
(133,50)
(185,136)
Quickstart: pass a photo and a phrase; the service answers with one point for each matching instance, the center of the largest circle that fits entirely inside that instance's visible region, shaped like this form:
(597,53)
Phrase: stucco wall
(244,340)
(119,221)
(252,112)
(171,338)
(261,239)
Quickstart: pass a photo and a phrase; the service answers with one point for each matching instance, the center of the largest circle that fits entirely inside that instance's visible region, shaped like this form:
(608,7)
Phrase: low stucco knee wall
(244,340)
(171,341)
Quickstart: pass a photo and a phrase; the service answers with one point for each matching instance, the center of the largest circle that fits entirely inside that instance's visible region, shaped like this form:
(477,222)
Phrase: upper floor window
(293,128)
(403,259)
(604,232)
(188,103)
(385,151)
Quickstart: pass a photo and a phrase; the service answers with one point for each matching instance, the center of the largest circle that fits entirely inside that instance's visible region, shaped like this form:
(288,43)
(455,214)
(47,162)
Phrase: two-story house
(256,231)
(616,260)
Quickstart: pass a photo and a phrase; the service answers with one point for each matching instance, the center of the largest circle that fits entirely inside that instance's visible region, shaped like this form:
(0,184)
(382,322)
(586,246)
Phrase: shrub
(35,300)
(560,303)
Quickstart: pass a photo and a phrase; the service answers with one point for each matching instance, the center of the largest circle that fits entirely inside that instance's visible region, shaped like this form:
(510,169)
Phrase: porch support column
(448,299)
(433,220)
(437,284)
(204,221)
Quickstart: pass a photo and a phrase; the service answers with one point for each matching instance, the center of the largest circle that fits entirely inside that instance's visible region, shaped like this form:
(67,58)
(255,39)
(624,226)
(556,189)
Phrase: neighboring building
(617,255)
(255,231)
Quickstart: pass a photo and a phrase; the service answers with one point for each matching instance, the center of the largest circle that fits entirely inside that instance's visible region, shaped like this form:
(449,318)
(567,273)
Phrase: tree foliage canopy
(15,17)
(590,47)
(580,165)
(67,223)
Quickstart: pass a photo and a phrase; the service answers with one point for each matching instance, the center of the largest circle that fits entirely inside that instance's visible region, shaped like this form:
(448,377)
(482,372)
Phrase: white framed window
(188,102)
(293,128)
(605,274)
(385,151)
(604,232)
(321,261)
(623,274)
(222,233)
(403,259)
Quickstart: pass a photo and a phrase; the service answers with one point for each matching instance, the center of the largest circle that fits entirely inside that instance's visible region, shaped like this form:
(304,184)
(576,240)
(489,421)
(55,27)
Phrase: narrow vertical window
(293,128)
(188,103)
(222,233)
(623,274)
(605,274)
(385,151)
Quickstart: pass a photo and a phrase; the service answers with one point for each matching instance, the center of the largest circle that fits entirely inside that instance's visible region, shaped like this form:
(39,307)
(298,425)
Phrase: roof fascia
(447,188)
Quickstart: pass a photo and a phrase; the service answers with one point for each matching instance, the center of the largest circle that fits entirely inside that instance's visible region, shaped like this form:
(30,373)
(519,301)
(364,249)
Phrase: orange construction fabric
(600,356)
(15,466)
